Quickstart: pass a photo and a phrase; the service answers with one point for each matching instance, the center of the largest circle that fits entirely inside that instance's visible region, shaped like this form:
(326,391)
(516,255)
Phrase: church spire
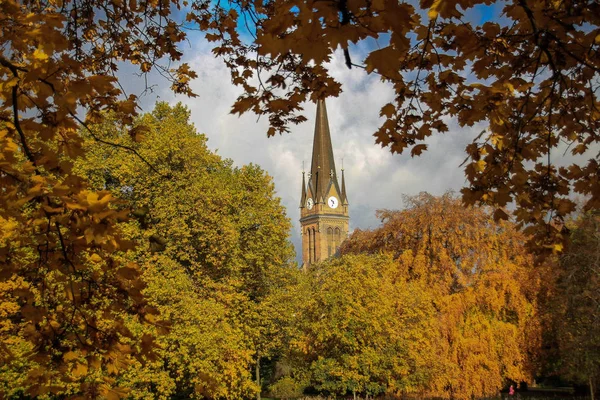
(323,164)
(323,207)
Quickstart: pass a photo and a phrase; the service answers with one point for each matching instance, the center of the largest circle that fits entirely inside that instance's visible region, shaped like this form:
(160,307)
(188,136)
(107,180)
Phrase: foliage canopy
(439,301)
(65,294)
(212,249)
(529,77)
(70,300)
(212,244)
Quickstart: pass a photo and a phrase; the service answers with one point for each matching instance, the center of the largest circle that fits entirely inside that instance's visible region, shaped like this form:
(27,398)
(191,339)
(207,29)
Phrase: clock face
(309,203)
(332,202)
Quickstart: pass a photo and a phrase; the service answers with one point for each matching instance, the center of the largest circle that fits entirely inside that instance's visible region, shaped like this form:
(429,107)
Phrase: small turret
(303,197)
(343,194)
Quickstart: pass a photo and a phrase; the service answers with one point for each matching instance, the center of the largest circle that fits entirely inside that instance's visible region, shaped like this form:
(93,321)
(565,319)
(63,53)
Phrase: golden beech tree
(214,250)
(481,281)
(64,295)
(529,76)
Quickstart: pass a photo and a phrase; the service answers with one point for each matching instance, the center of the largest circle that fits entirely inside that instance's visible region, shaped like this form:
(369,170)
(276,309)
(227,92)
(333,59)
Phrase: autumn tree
(363,329)
(482,284)
(214,252)
(531,80)
(573,309)
(529,77)
(64,295)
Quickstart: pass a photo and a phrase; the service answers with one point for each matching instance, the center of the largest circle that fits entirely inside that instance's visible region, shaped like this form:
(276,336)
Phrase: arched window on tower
(338,239)
(330,244)
(314,239)
(310,245)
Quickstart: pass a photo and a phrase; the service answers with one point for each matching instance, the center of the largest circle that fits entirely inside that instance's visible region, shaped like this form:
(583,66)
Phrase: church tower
(323,203)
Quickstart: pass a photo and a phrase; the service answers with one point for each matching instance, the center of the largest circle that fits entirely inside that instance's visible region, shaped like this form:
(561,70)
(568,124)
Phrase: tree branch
(15,100)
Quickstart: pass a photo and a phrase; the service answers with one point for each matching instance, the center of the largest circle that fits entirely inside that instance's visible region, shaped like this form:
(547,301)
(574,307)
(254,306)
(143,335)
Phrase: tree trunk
(258,377)
(591,388)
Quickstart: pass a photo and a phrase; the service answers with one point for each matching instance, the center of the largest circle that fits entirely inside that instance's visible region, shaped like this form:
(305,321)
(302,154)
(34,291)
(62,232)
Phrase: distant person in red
(511,391)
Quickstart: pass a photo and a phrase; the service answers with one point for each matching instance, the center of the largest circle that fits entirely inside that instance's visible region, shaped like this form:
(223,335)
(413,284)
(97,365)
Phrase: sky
(375,179)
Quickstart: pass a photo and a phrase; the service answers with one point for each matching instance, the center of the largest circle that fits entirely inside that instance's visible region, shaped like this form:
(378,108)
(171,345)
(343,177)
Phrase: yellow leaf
(480,166)
(61,189)
(80,370)
(39,54)
(557,248)
(36,190)
(97,203)
(434,9)
(74,206)
(477,85)
(10,146)
(112,368)
(498,141)
(92,198)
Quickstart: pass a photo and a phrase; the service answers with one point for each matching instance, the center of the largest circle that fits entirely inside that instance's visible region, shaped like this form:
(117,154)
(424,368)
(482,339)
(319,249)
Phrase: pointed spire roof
(303,197)
(323,163)
(344,198)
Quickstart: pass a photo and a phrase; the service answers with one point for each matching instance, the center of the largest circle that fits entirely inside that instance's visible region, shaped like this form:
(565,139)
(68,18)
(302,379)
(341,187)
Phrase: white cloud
(375,178)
